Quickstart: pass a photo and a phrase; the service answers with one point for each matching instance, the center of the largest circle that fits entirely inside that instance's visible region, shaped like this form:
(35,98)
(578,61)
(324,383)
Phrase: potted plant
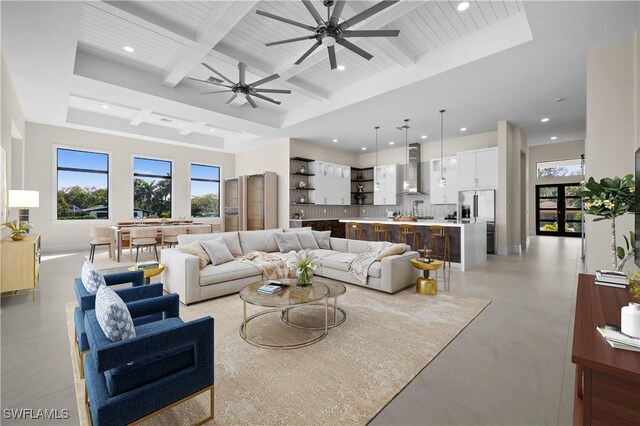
(360,198)
(630,315)
(18,229)
(608,199)
(303,263)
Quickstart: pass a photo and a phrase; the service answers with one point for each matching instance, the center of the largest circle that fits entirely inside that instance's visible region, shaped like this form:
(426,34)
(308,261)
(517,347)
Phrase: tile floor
(510,366)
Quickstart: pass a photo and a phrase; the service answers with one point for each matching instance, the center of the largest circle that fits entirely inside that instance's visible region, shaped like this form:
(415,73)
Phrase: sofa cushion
(195,249)
(259,240)
(288,242)
(284,256)
(323,239)
(338,261)
(217,251)
(322,253)
(91,278)
(113,315)
(230,239)
(307,240)
(234,270)
(391,250)
(357,246)
(340,244)
(306,228)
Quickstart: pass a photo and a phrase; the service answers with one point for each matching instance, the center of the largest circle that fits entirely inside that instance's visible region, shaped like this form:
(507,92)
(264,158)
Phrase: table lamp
(23,200)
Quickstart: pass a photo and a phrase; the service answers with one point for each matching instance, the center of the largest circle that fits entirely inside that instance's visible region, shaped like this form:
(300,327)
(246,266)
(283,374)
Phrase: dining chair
(100,236)
(142,237)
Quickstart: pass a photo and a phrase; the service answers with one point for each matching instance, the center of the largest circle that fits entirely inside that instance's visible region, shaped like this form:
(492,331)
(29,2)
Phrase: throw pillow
(306,240)
(113,315)
(196,249)
(287,242)
(218,251)
(323,239)
(91,278)
(391,250)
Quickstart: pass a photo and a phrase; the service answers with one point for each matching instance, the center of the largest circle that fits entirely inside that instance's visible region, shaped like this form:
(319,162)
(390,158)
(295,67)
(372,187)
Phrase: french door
(558,210)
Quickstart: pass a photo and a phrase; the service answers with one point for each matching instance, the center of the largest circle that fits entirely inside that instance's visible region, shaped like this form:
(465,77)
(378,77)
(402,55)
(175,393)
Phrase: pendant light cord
(377,127)
(442,111)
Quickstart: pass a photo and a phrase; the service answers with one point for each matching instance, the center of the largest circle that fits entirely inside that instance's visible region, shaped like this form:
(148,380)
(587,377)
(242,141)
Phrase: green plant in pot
(607,199)
(303,263)
(18,229)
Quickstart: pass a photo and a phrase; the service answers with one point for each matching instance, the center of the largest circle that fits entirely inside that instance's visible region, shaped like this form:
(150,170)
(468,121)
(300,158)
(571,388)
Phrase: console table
(607,379)
(20,265)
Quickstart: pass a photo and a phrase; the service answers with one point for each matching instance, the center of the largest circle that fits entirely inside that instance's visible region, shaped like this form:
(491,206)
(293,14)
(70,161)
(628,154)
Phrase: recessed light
(463,129)
(128,49)
(544,120)
(391,143)
(335,140)
(553,138)
(105,106)
(462,6)
(423,136)
(561,99)
(364,148)
(341,67)
(212,129)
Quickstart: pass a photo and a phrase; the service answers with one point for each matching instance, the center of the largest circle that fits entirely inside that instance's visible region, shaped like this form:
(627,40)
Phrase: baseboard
(504,251)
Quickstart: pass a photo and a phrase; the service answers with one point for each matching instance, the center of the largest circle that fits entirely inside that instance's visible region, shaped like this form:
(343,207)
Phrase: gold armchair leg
(168,407)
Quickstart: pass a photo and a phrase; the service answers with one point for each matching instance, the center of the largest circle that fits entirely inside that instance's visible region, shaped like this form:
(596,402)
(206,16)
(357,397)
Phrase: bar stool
(409,231)
(355,230)
(441,249)
(199,229)
(143,237)
(380,232)
(170,235)
(100,236)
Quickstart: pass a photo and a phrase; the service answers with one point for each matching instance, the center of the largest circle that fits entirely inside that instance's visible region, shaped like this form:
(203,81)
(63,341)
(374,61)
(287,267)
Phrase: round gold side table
(149,272)
(426,284)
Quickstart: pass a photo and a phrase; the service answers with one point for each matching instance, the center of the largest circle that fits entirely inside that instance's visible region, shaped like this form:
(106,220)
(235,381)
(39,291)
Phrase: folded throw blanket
(270,265)
(359,265)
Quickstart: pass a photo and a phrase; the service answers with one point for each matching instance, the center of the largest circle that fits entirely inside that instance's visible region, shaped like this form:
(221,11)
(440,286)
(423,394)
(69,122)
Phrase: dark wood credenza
(607,380)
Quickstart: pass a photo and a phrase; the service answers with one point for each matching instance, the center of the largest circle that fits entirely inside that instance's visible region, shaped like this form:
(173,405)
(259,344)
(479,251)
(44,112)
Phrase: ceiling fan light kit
(330,32)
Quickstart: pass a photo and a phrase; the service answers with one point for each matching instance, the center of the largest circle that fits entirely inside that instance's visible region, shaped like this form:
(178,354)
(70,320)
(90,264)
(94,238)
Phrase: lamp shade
(24,199)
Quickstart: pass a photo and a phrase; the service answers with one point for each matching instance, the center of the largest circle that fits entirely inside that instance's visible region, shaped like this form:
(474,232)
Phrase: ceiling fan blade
(265,80)
(286,92)
(337,11)
(216,72)
(273,101)
(313,11)
(367,13)
(210,82)
(251,101)
(231,98)
(285,20)
(291,40)
(243,71)
(371,33)
(332,57)
(215,91)
(307,53)
(355,49)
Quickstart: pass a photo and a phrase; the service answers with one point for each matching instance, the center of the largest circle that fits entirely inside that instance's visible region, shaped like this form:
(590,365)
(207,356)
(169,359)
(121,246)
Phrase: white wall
(549,152)
(612,120)
(303,149)
(41,141)
(272,155)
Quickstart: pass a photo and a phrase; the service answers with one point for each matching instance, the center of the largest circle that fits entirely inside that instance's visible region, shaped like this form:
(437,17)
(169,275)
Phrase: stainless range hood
(413,172)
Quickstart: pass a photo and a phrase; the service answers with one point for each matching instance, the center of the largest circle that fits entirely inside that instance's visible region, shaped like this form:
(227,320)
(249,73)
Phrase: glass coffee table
(336,289)
(285,299)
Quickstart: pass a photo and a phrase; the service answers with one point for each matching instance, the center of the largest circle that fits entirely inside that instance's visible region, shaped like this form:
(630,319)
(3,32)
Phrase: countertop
(313,220)
(420,222)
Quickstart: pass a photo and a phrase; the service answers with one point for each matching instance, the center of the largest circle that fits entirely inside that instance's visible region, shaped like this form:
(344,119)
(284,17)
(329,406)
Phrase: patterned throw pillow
(91,278)
(323,238)
(217,250)
(306,240)
(113,315)
(287,241)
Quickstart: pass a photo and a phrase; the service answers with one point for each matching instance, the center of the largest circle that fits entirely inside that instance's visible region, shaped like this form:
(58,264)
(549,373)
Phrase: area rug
(103,262)
(346,378)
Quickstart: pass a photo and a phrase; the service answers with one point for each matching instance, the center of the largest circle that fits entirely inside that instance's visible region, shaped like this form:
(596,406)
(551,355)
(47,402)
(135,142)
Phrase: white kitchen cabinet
(448,194)
(387,177)
(478,169)
(332,183)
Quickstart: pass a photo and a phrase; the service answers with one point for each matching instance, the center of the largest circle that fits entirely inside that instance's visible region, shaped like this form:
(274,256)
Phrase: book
(609,284)
(270,288)
(147,265)
(613,334)
(613,277)
(614,344)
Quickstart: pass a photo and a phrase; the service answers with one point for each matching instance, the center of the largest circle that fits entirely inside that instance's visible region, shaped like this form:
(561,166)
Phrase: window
(151,188)
(83,185)
(559,210)
(559,168)
(205,191)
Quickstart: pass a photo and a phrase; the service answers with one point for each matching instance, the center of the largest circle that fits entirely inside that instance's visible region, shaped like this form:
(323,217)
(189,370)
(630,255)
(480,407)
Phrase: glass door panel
(558,210)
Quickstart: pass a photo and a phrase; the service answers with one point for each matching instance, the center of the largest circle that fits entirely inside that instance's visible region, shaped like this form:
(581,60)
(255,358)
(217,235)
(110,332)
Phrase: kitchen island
(468,240)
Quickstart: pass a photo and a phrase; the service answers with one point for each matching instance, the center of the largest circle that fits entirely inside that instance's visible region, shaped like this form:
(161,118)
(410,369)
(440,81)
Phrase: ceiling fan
(242,89)
(330,32)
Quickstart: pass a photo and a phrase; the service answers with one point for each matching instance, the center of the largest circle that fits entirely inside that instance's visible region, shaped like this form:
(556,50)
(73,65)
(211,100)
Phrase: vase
(304,277)
(630,320)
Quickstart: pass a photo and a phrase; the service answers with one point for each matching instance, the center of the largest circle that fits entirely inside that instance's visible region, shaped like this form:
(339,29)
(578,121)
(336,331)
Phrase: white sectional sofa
(183,276)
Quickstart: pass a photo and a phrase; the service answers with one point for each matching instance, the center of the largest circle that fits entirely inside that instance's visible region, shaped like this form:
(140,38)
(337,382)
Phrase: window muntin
(82,184)
(152,188)
(205,191)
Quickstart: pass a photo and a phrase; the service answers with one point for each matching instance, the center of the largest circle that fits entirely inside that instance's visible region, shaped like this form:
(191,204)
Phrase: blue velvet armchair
(168,362)
(86,301)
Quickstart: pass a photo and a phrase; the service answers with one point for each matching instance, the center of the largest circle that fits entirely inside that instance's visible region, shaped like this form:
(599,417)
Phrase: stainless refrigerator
(480,206)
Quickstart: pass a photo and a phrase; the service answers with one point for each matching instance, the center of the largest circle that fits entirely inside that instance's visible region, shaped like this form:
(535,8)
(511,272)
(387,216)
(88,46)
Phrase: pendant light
(405,183)
(376,187)
(443,182)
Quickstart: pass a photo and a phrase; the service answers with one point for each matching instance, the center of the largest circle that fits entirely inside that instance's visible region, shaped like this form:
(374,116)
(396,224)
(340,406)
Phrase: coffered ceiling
(70,67)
